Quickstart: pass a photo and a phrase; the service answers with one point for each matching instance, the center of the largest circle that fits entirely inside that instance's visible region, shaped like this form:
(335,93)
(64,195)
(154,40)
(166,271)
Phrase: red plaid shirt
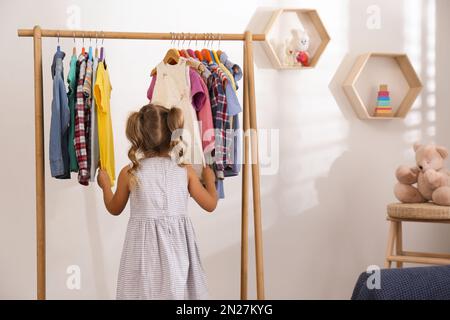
(221,121)
(81,125)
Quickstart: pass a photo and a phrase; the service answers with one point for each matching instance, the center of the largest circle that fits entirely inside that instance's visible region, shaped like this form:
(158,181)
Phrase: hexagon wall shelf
(413,85)
(307,19)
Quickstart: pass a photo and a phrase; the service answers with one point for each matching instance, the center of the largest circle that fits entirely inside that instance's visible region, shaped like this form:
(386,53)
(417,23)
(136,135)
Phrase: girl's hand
(103,179)
(208,176)
(205,195)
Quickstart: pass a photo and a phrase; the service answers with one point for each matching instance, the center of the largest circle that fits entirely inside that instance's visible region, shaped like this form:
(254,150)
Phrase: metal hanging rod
(137,35)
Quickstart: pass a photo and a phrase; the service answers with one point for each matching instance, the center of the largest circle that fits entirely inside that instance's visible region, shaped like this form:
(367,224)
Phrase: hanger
(197,53)
(90,48)
(205,52)
(219,52)
(213,59)
(216,56)
(102,50)
(186,51)
(206,56)
(172,55)
(58,47)
(74,50)
(210,48)
(181,51)
(96,46)
(83,50)
(190,52)
(178,44)
(211,51)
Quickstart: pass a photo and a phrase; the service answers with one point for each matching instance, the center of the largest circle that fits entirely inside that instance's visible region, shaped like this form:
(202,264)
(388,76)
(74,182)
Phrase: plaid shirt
(87,84)
(229,147)
(221,121)
(87,90)
(81,124)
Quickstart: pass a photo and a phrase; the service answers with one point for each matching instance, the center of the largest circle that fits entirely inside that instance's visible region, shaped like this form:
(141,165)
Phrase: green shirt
(72,97)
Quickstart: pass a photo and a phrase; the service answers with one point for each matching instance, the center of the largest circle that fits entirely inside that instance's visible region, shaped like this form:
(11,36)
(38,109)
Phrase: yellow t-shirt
(102,95)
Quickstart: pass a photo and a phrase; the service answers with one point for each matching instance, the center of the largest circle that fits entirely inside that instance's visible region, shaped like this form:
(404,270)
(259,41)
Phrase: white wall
(323,213)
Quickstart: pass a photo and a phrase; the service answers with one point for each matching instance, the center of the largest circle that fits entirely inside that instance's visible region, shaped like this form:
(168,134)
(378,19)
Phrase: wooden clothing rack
(250,141)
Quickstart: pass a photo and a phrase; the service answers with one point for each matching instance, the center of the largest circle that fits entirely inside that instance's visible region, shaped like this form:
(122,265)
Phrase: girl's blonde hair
(150,133)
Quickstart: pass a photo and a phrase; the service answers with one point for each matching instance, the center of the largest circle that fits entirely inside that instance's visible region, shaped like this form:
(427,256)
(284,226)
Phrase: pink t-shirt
(201,104)
(206,122)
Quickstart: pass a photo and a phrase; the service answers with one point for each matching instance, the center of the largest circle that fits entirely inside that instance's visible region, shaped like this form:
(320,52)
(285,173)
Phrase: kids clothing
(72,96)
(93,141)
(173,89)
(201,103)
(102,94)
(59,126)
(81,122)
(87,90)
(204,116)
(160,258)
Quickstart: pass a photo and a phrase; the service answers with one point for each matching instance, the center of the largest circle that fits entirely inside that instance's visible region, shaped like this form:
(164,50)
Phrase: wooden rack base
(249,122)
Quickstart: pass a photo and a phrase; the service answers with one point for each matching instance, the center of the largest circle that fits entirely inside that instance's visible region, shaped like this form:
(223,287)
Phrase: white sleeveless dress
(160,258)
(173,89)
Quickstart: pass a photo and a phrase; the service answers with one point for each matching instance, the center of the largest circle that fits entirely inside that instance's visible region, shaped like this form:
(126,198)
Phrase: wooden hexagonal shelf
(407,86)
(307,20)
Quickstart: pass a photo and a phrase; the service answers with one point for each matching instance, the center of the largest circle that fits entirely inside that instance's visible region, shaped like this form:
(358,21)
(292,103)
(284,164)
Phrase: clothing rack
(250,141)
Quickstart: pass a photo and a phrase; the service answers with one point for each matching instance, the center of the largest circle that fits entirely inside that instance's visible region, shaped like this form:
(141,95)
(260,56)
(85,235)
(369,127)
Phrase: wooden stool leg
(399,243)
(390,244)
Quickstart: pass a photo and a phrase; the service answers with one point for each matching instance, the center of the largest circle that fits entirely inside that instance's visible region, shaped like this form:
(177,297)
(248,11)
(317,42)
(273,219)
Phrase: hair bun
(175,119)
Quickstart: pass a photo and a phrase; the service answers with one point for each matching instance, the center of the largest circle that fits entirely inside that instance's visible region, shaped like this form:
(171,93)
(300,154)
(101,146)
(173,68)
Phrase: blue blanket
(423,283)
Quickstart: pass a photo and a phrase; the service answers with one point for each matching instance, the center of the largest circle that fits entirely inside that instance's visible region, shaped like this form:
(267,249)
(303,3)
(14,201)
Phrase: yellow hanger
(216,57)
(172,57)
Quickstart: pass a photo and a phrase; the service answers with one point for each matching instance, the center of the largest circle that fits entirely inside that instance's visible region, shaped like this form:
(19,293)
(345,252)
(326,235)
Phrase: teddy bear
(432,178)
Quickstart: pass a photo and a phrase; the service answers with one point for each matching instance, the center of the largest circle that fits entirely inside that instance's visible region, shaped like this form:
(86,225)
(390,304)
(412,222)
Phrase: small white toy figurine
(297,46)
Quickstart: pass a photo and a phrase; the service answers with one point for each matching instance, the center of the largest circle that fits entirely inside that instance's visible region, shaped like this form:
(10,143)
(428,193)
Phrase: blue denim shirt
(59,125)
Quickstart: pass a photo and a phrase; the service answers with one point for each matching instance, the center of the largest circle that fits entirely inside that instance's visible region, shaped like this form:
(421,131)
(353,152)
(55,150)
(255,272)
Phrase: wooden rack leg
(39,153)
(255,169)
(245,171)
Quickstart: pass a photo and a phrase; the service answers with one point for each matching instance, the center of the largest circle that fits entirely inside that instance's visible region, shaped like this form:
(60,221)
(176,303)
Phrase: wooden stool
(417,212)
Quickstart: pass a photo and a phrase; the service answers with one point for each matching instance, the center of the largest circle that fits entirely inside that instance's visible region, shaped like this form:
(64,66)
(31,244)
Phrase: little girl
(160,258)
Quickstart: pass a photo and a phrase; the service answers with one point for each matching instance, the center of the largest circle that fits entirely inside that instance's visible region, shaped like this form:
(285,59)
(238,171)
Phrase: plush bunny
(432,178)
(296,48)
